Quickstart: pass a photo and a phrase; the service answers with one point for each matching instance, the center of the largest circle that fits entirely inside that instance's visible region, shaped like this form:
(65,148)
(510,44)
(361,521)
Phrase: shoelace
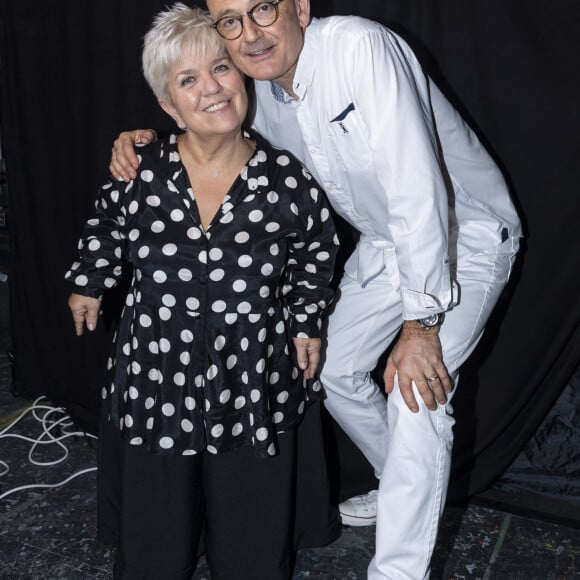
(367,503)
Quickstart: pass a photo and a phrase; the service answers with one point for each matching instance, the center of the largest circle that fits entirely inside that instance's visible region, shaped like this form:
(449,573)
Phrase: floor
(48,533)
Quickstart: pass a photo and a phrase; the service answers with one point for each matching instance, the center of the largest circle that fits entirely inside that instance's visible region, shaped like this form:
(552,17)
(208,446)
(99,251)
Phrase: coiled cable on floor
(50,418)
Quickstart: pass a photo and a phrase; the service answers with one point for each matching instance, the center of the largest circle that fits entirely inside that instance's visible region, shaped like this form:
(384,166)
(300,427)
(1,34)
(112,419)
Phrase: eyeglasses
(262,14)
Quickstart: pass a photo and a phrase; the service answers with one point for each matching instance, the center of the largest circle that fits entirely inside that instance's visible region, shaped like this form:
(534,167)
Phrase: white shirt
(364,123)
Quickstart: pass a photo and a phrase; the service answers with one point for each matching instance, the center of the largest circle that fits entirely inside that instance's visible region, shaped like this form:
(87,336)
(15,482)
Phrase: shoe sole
(354,522)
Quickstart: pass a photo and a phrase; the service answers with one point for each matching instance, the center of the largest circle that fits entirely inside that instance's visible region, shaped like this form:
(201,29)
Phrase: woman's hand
(124,162)
(308,355)
(84,310)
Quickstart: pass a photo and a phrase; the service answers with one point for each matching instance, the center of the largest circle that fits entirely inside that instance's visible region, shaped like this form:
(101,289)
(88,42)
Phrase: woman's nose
(211,85)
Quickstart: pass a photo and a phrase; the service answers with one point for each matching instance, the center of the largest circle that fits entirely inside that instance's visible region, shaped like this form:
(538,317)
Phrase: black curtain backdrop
(71,81)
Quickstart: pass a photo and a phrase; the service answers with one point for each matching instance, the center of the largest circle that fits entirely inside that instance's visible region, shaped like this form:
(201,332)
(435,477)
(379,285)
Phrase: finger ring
(433,378)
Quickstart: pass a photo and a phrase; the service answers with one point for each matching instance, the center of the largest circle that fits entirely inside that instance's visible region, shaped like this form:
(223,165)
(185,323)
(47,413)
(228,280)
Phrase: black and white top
(204,357)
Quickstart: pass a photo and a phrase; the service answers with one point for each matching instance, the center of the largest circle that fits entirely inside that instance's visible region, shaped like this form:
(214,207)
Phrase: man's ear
(303,11)
(170,110)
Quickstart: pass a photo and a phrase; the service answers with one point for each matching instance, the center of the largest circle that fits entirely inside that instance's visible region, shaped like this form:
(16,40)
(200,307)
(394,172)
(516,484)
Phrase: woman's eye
(221,68)
(185,81)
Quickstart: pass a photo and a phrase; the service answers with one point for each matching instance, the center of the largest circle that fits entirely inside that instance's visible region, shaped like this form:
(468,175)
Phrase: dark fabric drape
(71,81)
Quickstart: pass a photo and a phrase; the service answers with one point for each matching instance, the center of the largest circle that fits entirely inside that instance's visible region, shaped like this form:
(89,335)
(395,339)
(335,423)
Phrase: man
(438,236)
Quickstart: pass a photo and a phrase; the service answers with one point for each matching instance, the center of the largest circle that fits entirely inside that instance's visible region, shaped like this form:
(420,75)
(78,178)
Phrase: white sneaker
(360,510)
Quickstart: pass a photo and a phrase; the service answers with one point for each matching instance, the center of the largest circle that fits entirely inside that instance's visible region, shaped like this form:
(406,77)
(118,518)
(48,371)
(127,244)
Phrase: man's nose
(251,31)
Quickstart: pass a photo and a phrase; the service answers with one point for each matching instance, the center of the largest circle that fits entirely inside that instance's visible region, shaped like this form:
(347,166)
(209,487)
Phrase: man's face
(269,53)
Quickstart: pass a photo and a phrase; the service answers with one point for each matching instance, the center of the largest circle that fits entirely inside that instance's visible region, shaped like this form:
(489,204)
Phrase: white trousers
(410,452)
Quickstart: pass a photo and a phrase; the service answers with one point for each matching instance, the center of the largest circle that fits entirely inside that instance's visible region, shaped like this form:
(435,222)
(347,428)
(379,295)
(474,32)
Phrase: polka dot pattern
(202,355)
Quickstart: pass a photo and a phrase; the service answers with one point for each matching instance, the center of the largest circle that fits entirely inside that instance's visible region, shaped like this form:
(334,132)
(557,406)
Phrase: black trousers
(249,515)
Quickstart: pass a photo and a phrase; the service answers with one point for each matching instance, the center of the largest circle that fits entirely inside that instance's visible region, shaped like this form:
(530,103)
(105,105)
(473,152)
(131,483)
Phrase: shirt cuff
(419,305)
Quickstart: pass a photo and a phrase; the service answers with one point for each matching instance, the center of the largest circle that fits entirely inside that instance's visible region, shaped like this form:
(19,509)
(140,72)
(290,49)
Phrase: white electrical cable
(48,424)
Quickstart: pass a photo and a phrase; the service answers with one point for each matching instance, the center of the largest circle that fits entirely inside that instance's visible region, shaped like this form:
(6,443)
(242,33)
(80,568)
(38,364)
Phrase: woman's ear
(170,110)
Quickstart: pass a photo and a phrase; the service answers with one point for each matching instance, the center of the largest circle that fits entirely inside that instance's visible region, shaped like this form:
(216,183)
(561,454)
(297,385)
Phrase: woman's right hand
(124,162)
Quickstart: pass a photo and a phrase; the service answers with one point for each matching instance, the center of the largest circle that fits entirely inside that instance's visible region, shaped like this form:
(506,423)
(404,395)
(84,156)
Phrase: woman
(212,381)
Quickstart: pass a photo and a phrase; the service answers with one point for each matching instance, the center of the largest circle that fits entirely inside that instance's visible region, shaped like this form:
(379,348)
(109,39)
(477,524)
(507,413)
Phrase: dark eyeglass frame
(250,15)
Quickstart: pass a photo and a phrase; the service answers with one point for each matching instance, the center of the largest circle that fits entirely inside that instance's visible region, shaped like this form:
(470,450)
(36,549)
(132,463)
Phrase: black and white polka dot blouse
(204,358)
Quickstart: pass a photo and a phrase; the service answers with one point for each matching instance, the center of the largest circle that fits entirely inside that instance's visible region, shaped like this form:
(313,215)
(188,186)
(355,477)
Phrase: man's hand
(124,162)
(308,355)
(84,310)
(417,358)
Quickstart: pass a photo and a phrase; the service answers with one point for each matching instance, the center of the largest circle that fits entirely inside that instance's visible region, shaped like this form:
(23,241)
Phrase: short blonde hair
(172,31)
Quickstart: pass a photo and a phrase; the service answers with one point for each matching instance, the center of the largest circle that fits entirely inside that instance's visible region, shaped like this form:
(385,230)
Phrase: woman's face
(207,96)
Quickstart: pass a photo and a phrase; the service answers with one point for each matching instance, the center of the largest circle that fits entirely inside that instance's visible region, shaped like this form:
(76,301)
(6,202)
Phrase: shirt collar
(280,94)
(304,68)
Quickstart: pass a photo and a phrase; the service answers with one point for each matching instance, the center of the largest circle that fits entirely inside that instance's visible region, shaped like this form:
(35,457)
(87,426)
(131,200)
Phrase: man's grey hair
(177,29)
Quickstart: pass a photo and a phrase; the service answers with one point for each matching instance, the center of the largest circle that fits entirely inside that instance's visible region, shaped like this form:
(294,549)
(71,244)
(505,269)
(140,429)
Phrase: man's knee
(343,381)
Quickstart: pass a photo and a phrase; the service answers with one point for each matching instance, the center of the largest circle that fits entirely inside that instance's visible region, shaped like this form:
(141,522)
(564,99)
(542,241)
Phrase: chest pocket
(348,140)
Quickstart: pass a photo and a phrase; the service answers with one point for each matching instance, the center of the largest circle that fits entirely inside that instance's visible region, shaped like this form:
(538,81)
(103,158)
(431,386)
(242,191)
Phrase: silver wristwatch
(432,320)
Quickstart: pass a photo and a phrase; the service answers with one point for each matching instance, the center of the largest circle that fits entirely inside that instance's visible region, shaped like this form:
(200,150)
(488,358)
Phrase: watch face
(431,321)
